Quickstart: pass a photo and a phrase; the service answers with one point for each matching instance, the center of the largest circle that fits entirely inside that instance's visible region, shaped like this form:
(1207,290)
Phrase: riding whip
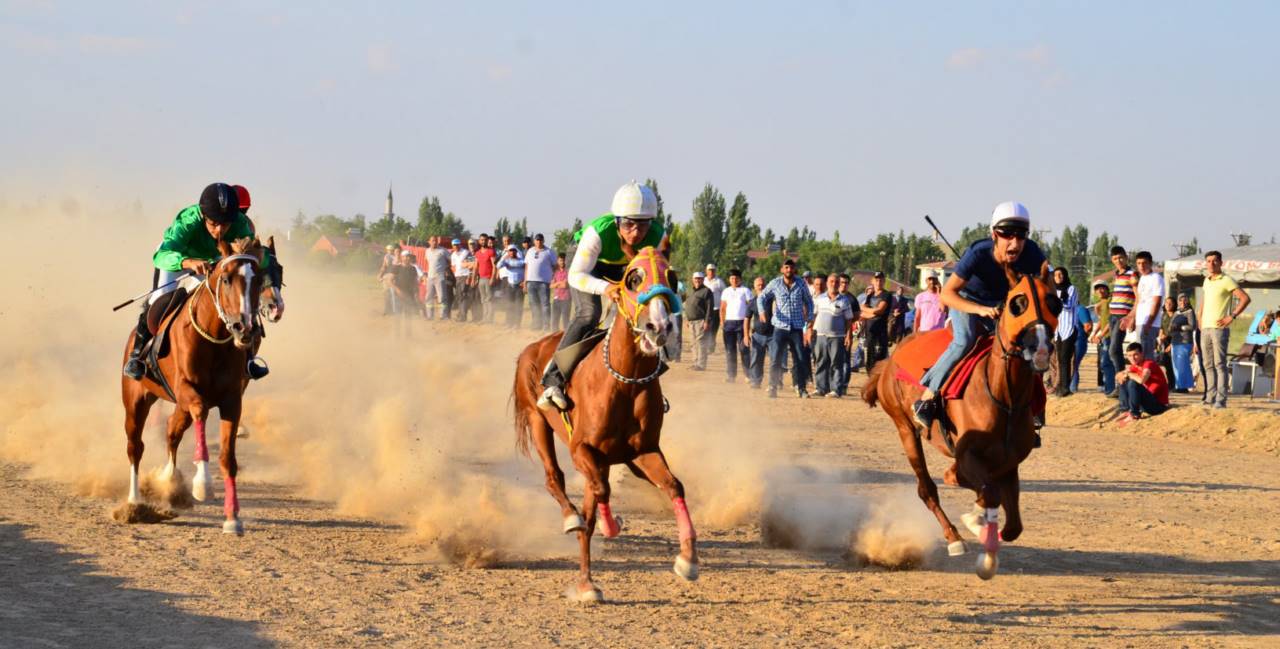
(139,296)
(942,236)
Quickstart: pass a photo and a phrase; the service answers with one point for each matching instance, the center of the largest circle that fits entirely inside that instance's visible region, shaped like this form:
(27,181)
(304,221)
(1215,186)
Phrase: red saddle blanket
(920,353)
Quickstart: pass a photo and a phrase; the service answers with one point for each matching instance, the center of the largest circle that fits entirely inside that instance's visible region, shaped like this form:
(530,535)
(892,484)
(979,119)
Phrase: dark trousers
(877,346)
(785,340)
(559,314)
(828,357)
(713,327)
(1116,349)
(760,348)
(734,348)
(1066,350)
(1136,399)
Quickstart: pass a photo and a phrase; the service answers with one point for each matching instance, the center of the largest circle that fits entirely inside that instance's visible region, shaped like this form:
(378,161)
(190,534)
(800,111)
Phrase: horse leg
(654,466)
(544,440)
(230,415)
(584,458)
(926,488)
(202,482)
(1009,487)
(970,465)
(178,423)
(610,525)
(135,417)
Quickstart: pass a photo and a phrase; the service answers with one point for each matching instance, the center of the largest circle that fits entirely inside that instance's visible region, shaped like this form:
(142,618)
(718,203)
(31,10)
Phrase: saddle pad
(919,354)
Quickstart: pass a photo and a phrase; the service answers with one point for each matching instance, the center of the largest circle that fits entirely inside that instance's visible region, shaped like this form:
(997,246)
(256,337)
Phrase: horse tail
(526,377)
(871,391)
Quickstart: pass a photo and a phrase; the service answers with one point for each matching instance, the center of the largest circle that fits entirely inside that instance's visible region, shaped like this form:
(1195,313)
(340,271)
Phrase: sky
(1153,121)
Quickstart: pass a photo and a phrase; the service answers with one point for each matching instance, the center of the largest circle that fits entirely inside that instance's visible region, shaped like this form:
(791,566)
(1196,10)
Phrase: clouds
(108,44)
(380,59)
(1037,60)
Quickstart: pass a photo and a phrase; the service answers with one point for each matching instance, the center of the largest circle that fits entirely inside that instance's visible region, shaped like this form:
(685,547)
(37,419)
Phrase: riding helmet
(1011,214)
(219,203)
(242,196)
(635,201)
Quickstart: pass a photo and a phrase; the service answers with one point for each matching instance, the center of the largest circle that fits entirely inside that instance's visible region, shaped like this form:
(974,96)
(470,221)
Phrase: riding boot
(134,367)
(925,411)
(553,396)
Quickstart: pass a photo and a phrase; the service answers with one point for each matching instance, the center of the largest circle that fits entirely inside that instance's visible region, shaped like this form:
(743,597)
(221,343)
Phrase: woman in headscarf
(1065,336)
(1182,330)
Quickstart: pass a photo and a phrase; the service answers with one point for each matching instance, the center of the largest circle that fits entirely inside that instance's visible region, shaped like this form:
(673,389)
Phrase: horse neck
(1005,370)
(624,352)
(205,312)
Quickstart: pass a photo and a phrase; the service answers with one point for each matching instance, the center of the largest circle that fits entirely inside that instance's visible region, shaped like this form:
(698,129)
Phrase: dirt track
(1130,541)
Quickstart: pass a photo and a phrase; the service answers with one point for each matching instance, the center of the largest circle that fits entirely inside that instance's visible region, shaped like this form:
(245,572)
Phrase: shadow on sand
(52,598)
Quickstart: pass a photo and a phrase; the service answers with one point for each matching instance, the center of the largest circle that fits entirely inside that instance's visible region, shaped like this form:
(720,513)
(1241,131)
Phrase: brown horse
(992,422)
(204,371)
(615,416)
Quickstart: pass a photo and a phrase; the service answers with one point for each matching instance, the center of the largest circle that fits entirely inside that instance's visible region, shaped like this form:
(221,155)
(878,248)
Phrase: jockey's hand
(613,292)
(197,266)
(988,312)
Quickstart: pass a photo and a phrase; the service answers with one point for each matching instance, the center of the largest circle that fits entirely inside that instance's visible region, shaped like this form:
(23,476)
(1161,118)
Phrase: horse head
(237,286)
(1028,320)
(647,301)
(272,295)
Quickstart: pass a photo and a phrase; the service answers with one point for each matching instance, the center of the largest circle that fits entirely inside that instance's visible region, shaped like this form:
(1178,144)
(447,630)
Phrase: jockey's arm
(584,261)
(952,299)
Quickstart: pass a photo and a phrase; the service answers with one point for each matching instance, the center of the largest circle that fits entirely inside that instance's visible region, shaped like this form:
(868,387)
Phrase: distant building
(940,269)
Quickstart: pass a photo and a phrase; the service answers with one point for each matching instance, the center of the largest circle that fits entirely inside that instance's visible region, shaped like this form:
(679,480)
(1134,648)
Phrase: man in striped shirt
(1123,296)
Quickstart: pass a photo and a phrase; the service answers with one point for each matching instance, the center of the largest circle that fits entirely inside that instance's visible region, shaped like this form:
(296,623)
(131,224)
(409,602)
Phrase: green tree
(739,233)
(563,241)
(705,239)
(971,235)
(662,217)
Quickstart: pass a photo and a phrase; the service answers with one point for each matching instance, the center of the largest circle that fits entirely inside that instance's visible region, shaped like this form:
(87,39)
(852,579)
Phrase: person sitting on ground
(974,291)
(1143,386)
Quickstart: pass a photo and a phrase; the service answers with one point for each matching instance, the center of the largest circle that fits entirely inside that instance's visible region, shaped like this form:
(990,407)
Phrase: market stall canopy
(1248,265)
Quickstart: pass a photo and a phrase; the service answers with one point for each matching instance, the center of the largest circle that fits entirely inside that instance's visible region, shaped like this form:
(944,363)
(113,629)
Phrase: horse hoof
(687,569)
(955,549)
(573,523)
(975,521)
(591,595)
(988,563)
(233,526)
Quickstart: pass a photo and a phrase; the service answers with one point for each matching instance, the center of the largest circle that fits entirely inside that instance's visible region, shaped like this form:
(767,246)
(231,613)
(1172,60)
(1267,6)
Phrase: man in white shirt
(463,263)
(735,303)
(1146,309)
(716,284)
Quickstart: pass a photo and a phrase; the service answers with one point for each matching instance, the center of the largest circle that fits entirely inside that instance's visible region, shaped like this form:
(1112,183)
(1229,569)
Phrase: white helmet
(1011,213)
(635,201)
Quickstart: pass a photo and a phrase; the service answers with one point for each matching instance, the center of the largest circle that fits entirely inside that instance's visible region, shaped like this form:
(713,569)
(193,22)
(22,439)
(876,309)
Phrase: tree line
(722,232)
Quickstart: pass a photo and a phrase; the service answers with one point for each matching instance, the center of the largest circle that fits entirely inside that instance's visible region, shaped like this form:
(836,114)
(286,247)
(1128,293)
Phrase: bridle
(216,294)
(630,307)
(1014,350)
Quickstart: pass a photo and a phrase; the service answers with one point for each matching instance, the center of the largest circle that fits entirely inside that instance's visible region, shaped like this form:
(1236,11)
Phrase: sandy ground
(1133,538)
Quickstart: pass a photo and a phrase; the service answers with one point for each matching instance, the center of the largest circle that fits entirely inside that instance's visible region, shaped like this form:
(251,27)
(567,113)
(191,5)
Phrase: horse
(203,372)
(615,414)
(992,420)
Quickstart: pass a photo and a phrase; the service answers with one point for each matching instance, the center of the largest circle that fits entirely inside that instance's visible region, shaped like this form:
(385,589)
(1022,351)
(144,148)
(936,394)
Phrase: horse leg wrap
(990,533)
(230,503)
(202,450)
(683,521)
(608,524)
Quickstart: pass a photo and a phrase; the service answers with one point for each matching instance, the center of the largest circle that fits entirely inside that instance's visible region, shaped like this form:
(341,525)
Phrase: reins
(1008,352)
(216,295)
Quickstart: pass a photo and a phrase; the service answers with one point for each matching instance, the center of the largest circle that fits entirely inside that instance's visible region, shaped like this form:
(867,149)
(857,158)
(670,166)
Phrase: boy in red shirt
(1142,387)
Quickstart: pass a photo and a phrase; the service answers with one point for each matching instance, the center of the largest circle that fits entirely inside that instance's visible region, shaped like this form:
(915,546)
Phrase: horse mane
(243,245)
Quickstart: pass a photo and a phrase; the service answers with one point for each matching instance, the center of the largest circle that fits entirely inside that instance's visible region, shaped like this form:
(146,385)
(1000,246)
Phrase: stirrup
(553,398)
(923,412)
(134,368)
(257,368)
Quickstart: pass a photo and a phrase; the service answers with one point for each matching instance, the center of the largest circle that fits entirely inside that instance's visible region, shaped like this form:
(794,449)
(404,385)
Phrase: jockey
(190,244)
(973,293)
(605,246)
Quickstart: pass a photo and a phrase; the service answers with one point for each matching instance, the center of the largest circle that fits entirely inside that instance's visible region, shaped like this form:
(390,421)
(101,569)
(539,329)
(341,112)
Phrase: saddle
(160,317)
(917,355)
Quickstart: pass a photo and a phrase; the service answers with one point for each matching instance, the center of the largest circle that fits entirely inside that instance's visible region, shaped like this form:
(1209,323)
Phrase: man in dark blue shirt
(978,286)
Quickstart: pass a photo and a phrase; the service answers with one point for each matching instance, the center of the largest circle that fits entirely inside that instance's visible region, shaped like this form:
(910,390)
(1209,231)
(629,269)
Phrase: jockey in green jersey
(190,247)
(605,246)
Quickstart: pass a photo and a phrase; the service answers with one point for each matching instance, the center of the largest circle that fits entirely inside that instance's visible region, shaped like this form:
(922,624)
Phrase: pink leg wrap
(202,450)
(990,538)
(683,521)
(230,503)
(607,523)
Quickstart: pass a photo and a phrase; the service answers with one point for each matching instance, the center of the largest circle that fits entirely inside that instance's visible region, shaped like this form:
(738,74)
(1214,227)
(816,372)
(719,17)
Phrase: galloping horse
(615,416)
(203,372)
(992,421)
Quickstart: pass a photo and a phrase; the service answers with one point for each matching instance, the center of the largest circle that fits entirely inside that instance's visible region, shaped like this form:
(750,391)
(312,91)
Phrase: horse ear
(224,248)
(271,244)
(673,280)
(1010,274)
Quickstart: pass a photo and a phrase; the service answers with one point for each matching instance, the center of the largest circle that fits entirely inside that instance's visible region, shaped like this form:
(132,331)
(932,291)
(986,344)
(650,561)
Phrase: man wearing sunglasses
(974,291)
(605,246)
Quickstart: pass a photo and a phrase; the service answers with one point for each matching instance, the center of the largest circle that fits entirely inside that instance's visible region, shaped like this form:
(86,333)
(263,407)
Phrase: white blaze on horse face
(277,310)
(1040,359)
(661,321)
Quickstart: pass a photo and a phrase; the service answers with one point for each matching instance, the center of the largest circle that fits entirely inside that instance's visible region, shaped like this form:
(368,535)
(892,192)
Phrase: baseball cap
(538,237)
(405,253)
(699,275)
(513,247)
(711,266)
(457,242)
(878,275)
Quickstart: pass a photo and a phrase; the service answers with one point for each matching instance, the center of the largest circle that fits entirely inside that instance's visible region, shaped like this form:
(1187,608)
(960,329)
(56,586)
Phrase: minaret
(389,213)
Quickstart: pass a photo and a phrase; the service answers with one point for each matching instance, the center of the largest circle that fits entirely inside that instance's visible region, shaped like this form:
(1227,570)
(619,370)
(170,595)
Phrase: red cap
(243,195)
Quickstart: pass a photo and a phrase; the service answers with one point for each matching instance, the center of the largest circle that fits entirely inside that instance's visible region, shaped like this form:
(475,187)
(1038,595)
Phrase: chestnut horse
(993,426)
(615,415)
(204,372)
